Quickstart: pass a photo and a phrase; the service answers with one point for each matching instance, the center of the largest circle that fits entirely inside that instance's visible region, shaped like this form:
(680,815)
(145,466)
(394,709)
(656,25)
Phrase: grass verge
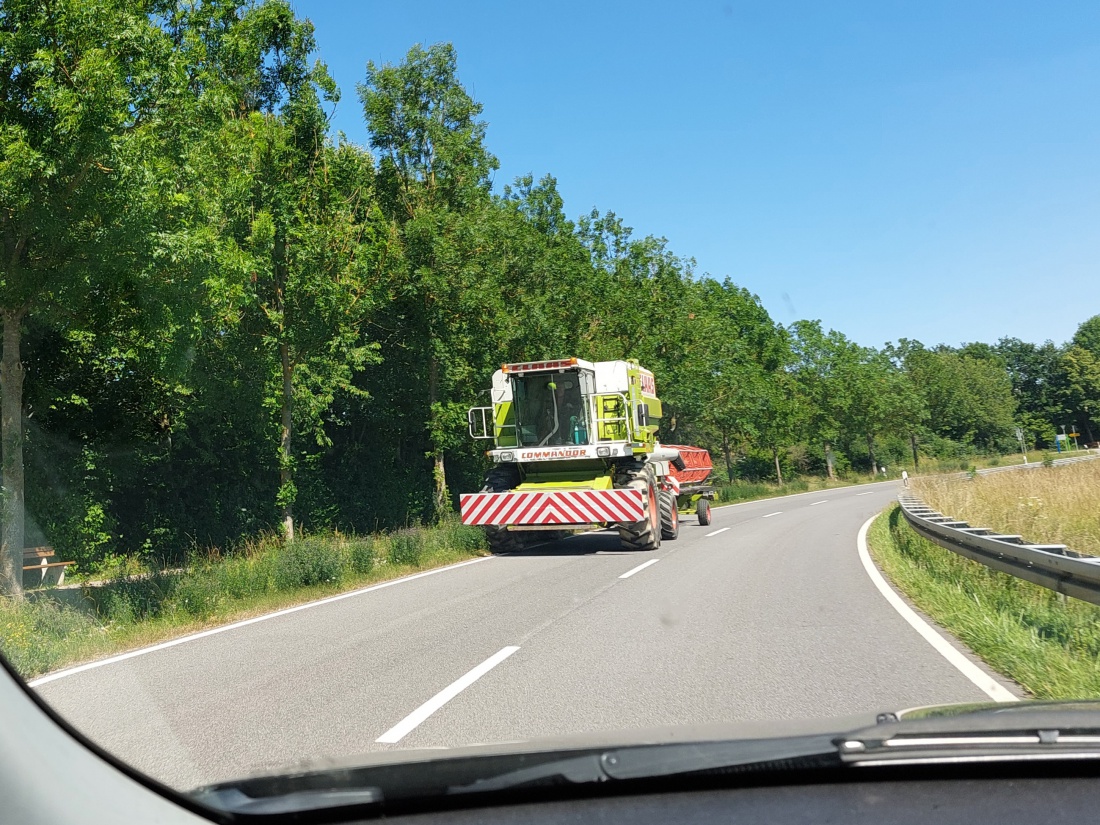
(1048,505)
(42,633)
(1022,630)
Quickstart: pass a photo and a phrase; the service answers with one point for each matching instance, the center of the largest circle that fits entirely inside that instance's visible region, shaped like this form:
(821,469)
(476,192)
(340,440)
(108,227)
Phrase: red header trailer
(697,465)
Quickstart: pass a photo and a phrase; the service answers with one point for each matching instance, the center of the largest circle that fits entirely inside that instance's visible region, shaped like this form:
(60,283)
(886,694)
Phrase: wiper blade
(1025,733)
(665,760)
(236,800)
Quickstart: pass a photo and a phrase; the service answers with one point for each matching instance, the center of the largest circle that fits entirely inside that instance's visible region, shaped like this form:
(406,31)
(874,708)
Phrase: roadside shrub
(37,634)
(307,561)
(132,598)
(406,547)
(197,594)
(361,554)
(242,577)
(466,538)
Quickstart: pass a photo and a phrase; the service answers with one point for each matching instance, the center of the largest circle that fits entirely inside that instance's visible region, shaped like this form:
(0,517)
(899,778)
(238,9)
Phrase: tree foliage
(220,319)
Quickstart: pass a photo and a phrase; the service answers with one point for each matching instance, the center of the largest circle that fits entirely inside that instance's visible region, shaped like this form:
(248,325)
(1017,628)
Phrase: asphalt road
(767,614)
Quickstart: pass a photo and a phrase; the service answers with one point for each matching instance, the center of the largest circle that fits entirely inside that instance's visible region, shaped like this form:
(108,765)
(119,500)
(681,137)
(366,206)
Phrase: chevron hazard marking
(553,507)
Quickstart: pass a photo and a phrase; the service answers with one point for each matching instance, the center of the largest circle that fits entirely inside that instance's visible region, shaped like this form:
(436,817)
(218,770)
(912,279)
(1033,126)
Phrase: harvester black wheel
(503,540)
(645,534)
(670,516)
(500,479)
(702,508)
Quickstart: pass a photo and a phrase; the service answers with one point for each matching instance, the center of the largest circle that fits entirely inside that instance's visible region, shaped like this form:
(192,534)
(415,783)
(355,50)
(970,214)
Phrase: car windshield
(380,378)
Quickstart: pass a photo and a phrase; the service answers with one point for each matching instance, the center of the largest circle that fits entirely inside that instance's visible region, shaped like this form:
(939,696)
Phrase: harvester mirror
(643,415)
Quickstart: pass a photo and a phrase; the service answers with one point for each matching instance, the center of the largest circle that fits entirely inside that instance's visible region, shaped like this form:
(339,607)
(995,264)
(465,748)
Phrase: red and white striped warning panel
(671,483)
(553,507)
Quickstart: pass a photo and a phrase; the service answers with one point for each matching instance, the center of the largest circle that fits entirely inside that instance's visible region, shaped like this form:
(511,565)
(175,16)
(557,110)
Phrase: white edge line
(776,513)
(990,686)
(823,501)
(414,719)
(638,569)
(716,532)
(61,674)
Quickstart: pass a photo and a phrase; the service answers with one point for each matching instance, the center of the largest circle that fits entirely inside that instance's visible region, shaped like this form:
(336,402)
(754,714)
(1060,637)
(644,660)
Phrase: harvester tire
(702,508)
(500,479)
(670,517)
(645,534)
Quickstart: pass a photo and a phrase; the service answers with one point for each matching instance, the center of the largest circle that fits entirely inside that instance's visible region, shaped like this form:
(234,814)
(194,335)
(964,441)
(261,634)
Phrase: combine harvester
(574,448)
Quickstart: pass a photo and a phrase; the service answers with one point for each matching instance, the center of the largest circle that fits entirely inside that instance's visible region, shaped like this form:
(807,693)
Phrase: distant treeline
(221,319)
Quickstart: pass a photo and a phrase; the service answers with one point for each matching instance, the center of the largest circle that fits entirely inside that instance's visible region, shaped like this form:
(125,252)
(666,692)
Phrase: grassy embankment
(42,634)
(1049,645)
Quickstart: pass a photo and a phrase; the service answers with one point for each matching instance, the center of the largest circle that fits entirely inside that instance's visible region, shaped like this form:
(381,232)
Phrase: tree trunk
(916,456)
(728,456)
(871,455)
(778,472)
(442,500)
(286,457)
(829,461)
(11,441)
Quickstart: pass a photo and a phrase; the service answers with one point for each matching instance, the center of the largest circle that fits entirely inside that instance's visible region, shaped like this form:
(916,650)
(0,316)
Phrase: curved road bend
(765,614)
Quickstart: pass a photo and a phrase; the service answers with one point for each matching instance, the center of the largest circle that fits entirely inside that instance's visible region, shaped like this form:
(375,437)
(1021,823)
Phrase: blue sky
(925,170)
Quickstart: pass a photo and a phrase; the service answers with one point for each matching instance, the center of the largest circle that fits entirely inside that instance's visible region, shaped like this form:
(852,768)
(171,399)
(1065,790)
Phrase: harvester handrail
(607,422)
(497,428)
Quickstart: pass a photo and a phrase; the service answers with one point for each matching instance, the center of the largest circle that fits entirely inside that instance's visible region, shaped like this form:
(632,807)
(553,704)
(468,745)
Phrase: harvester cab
(574,447)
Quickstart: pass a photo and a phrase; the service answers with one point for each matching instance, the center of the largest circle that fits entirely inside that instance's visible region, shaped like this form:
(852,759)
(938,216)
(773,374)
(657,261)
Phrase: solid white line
(638,569)
(61,674)
(776,513)
(823,501)
(992,688)
(414,719)
(716,532)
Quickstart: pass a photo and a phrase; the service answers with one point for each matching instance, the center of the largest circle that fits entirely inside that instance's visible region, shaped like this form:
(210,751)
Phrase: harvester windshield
(551,408)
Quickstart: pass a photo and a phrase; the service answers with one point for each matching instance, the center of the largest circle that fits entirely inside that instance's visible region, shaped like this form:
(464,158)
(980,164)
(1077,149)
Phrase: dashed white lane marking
(61,674)
(776,513)
(992,688)
(823,501)
(716,532)
(638,569)
(414,719)
(868,493)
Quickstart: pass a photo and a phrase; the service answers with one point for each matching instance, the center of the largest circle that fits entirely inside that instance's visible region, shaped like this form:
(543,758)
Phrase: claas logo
(649,386)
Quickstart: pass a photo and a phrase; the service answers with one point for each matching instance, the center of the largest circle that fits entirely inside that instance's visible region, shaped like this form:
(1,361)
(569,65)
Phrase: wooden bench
(39,570)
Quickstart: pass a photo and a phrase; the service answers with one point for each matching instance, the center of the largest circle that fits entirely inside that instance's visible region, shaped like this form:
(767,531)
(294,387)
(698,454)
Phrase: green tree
(308,237)
(434,183)
(79,90)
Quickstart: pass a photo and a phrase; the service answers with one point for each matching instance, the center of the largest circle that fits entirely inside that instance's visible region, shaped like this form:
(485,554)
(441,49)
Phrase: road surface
(765,614)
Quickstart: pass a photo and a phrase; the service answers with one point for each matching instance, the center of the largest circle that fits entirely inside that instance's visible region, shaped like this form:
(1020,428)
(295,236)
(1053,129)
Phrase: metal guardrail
(1053,566)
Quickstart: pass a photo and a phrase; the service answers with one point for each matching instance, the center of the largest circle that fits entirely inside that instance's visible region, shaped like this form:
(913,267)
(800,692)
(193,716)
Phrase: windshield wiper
(667,760)
(1029,731)
(929,736)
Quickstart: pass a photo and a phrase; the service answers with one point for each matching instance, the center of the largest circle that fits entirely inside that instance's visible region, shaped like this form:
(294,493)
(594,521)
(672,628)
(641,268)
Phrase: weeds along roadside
(1026,632)
(1048,505)
(43,633)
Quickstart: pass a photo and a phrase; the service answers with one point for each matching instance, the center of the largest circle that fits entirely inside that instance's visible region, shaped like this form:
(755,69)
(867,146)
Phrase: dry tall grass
(1048,505)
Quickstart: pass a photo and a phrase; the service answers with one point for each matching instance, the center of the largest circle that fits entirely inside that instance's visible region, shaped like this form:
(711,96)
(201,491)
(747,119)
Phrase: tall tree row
(219,319)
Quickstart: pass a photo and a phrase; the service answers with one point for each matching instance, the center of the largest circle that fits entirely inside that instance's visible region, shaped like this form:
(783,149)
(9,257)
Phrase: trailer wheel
(645,534)
(670,516)
(702,507)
